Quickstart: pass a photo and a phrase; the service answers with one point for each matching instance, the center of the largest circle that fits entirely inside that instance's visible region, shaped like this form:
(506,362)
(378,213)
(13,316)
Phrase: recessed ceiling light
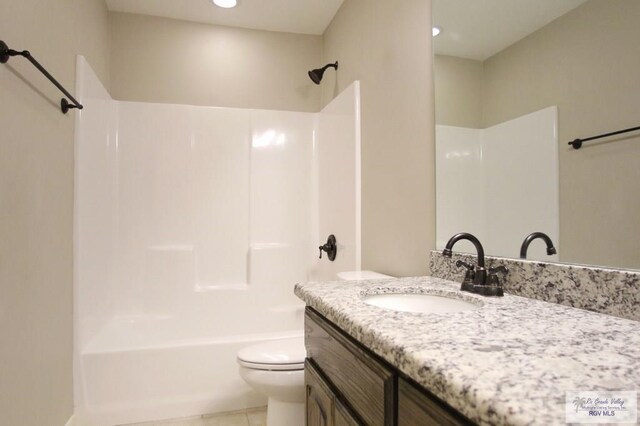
(435,31)
(227,4)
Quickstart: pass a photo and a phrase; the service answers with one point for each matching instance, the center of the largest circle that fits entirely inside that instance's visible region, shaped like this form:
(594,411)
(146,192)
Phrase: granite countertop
(508,363)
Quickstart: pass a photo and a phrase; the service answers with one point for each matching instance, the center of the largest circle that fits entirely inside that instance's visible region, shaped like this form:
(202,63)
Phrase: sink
(424,303)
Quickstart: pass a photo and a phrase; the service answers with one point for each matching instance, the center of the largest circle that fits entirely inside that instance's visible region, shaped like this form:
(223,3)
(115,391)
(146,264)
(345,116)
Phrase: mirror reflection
(515,81)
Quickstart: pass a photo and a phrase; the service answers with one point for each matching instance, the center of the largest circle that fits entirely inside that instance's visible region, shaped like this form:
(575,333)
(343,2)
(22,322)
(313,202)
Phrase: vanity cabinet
(346,384)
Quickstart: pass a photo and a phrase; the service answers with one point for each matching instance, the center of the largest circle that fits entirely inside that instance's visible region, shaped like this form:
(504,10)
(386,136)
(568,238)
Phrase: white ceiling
(292,16)
(478,29)
(475,29)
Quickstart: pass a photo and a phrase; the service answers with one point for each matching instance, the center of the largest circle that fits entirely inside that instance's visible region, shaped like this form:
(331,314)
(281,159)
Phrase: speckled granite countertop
(508,363)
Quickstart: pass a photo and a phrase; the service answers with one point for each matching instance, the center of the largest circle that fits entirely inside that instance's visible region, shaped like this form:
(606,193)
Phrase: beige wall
(171,61)
(387,46)
(36,204)
(458,91)
(587,64)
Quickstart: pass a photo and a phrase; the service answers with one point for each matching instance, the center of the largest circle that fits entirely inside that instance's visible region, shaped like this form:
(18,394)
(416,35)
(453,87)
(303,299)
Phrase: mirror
(515,81)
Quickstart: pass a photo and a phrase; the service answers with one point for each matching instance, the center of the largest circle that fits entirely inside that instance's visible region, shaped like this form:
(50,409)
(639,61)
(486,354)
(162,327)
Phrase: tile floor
(251,417)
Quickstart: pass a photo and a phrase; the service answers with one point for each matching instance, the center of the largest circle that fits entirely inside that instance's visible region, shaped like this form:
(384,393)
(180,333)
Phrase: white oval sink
(424,303)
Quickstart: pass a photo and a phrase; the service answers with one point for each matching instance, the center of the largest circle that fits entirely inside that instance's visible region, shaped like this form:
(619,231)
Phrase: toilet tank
(361,275)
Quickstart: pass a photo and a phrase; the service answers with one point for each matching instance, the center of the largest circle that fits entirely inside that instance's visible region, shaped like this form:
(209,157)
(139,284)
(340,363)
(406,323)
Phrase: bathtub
(146,368)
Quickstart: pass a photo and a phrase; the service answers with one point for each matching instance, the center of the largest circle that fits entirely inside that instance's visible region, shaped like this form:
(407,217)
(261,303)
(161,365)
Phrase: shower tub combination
(144,369)
(192,224)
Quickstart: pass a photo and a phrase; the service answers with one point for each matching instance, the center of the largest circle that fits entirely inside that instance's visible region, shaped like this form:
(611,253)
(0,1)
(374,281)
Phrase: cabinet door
(416,407)
(319,398)
(343,416)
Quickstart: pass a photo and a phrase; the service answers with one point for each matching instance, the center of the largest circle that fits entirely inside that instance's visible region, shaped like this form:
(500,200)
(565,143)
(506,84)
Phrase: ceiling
(478,29)
(292,16)
(475,29)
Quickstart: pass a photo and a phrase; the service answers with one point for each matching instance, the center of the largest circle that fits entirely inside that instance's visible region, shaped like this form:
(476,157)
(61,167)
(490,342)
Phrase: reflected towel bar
(577,143)
(6,53)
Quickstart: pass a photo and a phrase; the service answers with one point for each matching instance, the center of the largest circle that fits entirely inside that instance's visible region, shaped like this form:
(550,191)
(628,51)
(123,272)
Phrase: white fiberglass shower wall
(192,226)
(500,184)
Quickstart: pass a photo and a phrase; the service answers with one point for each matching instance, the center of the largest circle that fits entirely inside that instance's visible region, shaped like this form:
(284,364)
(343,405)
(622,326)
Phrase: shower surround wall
(192,226)
(500,184)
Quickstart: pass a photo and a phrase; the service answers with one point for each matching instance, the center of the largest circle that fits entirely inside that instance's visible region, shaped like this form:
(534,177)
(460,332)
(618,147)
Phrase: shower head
(316,75)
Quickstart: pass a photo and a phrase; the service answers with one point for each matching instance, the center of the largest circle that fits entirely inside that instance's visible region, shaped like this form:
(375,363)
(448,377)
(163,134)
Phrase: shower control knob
(330,247)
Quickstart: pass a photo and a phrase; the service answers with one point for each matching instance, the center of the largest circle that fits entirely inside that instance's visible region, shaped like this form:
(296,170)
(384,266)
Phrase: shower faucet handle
(330,247)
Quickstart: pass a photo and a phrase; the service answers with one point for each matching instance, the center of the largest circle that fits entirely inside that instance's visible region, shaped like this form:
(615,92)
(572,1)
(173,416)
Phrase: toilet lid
(361,275)
(281,354)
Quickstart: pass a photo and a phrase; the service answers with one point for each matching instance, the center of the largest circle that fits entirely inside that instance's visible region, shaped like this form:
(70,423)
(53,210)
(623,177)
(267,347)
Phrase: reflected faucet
(551,250)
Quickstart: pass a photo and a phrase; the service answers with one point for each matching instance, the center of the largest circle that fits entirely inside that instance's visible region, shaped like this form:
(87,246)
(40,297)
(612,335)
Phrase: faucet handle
(494,286)
(330,247)
(469,276)
(498,269)
(460,263)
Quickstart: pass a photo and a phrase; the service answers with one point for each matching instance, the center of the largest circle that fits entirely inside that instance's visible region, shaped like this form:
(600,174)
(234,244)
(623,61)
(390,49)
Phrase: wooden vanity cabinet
(363,383)
(346,384)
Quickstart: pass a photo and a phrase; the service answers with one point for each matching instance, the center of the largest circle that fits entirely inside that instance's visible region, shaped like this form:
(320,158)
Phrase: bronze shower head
(316,75)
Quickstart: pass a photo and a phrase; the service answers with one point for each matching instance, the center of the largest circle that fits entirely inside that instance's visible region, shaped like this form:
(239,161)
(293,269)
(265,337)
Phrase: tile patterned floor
(251,417)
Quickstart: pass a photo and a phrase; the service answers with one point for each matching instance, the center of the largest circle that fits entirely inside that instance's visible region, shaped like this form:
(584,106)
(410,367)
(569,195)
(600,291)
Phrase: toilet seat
(271,367)
(275,355)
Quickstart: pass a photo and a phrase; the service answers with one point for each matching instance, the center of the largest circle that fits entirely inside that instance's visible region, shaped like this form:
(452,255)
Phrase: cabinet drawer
(416,407)
(363,381)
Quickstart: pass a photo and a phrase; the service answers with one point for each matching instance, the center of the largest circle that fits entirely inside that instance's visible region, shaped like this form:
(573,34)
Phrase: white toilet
(361,275)
(276,369)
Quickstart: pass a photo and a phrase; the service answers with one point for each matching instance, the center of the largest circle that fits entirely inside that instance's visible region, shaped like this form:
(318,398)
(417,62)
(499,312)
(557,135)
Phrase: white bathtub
(142,369)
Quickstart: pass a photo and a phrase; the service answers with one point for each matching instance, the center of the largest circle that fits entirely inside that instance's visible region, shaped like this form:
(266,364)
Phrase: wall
(36,204)
(585,63)
(458,91)
(170,61)
(387,46)
(338,174)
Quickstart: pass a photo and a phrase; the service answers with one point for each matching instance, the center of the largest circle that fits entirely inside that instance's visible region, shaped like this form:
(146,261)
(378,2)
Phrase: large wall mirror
(515,81)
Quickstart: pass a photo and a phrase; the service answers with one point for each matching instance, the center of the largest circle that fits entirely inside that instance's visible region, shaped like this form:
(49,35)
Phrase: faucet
(476,279)
(551,250)
(480,273)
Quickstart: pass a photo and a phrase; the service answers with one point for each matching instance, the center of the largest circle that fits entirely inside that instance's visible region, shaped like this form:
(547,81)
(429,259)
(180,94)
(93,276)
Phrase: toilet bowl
(276,369)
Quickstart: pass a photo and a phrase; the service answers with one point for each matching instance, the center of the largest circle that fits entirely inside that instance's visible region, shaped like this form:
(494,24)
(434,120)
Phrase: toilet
(276,369)
(361,275)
